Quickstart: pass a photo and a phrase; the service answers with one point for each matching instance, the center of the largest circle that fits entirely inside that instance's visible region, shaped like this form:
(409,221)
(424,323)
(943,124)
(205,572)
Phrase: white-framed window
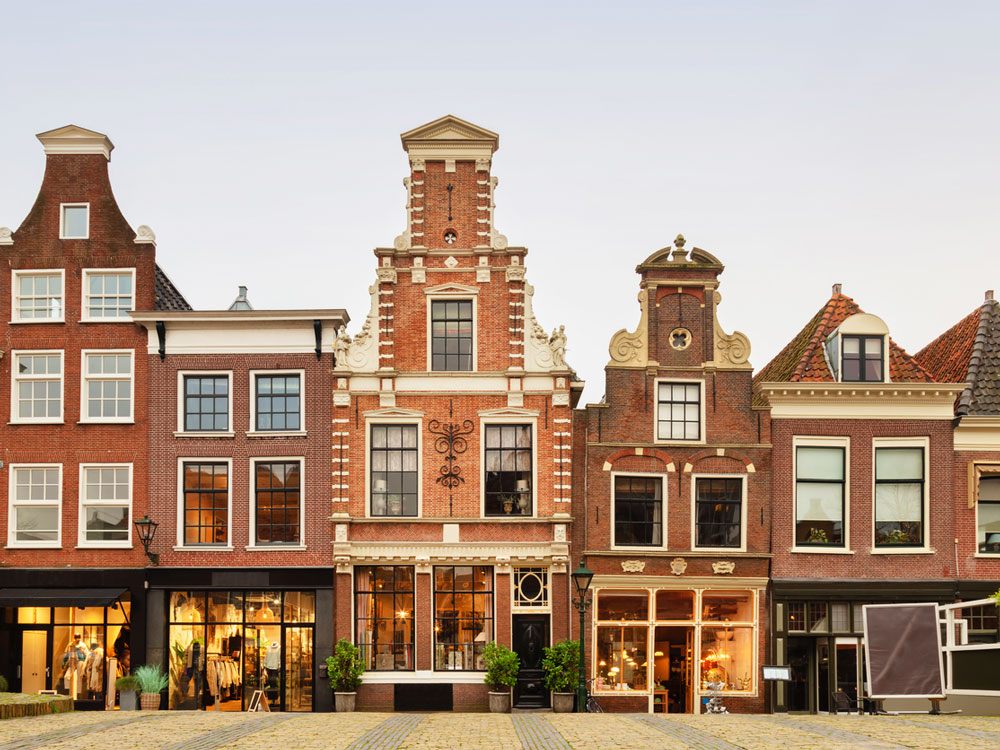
(680,411)
(36,393)
(108,294)
(108,379)
(38,296)
(900,497)
(74,221)
(105,505)
(204,503)
(985,495)
(277,401)
(857,351)
(719,511)
(35,505)
(508,464)
(638,509)
(205,401)
(277,506)
(821,471)
(393,468)
(452,324)
(531,590)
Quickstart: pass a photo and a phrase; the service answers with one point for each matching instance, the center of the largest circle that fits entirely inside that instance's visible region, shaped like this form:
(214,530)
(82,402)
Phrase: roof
(803,359)
(241,302)
(969,352)
(167,295)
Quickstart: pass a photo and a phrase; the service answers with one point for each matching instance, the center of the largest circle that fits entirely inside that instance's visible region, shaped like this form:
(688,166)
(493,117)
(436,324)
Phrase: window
(108,294)
(899,497)
(621,640)
(75,221)
(277,402)
(451,335)
(988,515)
(796,617)
(205,503)
(38,387)
(862,359)
(206,403)
(463,616)
(105,505)
(507,457)
(384,612)
(394,470)
(277,502)
(638,511)
(35,500)
(718,512)
(107,386)
(531,588)
(819,496)
(38,296)
(678,411)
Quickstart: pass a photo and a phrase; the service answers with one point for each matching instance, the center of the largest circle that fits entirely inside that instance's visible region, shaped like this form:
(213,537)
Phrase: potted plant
(817,536)
(508,503)
(151,683)
(128,692)
(344,669)
(562,672)
(502,666)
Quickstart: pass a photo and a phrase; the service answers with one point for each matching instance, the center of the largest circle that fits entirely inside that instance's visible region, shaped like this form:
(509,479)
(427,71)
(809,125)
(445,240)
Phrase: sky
(802,143)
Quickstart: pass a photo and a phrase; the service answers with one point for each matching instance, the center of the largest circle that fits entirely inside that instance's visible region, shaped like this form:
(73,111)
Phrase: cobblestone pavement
(191,730)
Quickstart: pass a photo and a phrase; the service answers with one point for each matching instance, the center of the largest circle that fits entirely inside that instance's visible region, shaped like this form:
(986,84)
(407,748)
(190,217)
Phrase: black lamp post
(582,577)
(147,530)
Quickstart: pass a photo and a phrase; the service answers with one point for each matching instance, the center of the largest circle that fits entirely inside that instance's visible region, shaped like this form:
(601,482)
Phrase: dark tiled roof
(969,352)
(803,359)
(167,296)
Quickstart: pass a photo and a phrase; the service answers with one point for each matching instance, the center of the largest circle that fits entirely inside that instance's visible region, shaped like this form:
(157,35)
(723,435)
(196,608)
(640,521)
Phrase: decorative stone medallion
(678,565)
(723,567)
(633,566)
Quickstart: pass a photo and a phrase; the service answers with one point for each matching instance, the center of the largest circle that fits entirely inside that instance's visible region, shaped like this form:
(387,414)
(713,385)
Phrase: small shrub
(3,684)
(151,679)
(345,667)
(502,665)
(562,666)
(128,682)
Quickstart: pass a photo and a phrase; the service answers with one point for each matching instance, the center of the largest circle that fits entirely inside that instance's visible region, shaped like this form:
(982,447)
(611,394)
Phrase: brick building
(74,432)
(671,503)
(451,447)
(861,500)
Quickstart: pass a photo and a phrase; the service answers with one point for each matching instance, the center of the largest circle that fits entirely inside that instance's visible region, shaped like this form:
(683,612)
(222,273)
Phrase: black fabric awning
(58,597)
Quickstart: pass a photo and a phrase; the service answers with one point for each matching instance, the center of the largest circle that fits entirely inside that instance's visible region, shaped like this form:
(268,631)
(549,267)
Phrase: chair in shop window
(841,701)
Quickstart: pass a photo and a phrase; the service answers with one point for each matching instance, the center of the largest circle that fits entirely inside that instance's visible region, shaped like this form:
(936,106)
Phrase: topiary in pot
(502,666)
(128,692)
(152,682)
(562,672)
(344,669)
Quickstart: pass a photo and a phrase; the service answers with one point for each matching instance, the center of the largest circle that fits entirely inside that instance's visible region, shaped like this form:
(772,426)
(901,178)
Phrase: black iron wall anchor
(450,442)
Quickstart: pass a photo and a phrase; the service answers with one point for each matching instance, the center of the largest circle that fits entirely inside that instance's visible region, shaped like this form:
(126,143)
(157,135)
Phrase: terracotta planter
(500,702)
(344,701)
(562,703)
(150,701)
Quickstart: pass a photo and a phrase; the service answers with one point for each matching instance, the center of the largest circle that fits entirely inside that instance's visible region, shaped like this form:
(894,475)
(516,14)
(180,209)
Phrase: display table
(661,699)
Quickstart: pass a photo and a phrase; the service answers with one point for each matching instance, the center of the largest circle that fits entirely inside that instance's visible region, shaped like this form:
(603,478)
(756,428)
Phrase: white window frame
(181,547)
(822,441)
(974,476)
(463,295)
(657,382)
(62,220)
(484,422)
(390,420)
(84,504)
(11,504)
(252,543)
(663,500)
(85,378)
(252,430)
(904,442)
(743,513)
(15,416)
(181,432)
(85,316)
(15,295)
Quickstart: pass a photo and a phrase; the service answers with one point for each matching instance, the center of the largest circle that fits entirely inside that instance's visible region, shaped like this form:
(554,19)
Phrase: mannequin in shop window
(93,671)
(74,659)
(194,669)
(272,663)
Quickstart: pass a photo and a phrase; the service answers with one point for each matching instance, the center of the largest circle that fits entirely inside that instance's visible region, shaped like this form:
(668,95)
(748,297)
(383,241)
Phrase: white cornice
(822,400)
(72,139)
(681,581)
(978,434)
(434,551)
(452,288)
(237,316)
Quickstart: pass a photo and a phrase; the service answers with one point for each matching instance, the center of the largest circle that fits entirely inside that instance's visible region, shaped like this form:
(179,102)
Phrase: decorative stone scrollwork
(498,241)
(678,565)
(386,275)
(417,165)
(6,236)
(402,241)
(362,353)
(633,566)
(731,350)
(632,348)
(482,165)
(723,567)
(144,236)
(515,273)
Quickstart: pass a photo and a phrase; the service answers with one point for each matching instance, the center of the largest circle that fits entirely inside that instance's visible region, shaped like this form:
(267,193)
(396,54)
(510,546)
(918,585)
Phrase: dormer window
(863,360)
(74,223)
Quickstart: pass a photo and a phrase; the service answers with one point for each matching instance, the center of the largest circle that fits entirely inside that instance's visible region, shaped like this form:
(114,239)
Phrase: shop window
(38,386)
(107,387)
(819,496)
(675,605)
(622,605)
(74,221)
(263,607)
(206,503)
(678,411)
(105,504)
(33,615)
(862,359)
(508,469)
(108,294)
(638,511)
(451,335)
(899,497)
(385,616)
(300,606)
(394,475)
(278,502)
(35,505)
(38,296)
(463,616)
(840,617)
(818,622)
(622,657)
(224,606)
(531,588)
(206,403)
(718,512)
(796,617)
(727,659)
(83,638)
(277,402)
(727,606)
(988,515)
(859,617)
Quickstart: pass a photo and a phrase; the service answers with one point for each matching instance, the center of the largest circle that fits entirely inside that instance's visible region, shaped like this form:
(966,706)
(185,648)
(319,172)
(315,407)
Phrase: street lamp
(582,577)
(147,530)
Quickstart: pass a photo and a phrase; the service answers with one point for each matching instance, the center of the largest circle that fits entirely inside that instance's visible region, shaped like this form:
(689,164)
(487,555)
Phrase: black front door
(531,636)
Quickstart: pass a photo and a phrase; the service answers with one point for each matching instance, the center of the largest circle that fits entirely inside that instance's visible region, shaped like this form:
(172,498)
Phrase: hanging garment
(93,670)
(213,677)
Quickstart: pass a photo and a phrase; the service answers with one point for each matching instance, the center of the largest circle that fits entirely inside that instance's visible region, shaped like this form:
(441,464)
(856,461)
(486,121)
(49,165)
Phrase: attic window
(74,224)
(450,237)
(862,360)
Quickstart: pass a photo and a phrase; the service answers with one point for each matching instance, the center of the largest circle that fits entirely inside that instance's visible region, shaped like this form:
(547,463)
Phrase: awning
(59,597)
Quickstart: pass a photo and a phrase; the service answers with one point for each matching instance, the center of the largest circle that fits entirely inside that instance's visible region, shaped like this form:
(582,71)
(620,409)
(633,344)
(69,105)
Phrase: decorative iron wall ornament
(450,442)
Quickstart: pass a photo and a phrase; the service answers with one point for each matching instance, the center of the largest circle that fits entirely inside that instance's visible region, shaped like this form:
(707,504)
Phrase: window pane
(819,463)
(674,605)
(621,658)
(613,605)
(75,221)
(727,658)
(899,463)
(735,606)
(989,527)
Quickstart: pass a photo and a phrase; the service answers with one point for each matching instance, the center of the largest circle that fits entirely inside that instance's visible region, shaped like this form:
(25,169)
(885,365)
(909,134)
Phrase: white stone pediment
(451,289)
(449,127)
(393,411)
(509,411)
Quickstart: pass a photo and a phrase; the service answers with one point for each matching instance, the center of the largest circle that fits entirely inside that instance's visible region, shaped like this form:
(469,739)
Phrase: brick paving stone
(71,732)
(691,736)
(536,733)
(309,731)
(388,735)
(611,732)
(30,725)
(969,730)
(818,726)
(440,730)
(747,732)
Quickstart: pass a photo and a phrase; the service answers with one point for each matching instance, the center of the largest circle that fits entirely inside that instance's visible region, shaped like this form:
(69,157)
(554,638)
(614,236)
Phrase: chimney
(989,295)
(836,289)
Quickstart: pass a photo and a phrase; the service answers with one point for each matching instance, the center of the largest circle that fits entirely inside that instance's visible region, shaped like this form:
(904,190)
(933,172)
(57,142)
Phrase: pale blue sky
(804,143)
